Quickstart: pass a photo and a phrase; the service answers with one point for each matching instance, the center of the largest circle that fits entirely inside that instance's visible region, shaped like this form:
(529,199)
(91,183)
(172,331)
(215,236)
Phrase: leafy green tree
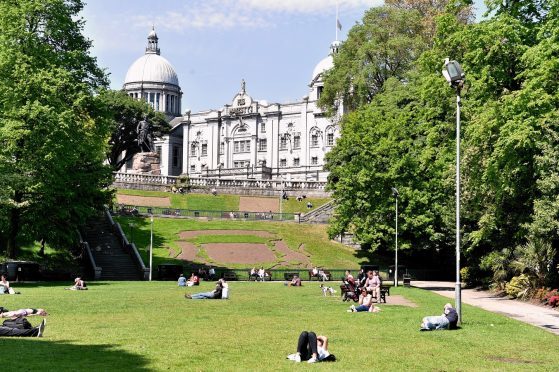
(52,130)
(125,113)
(383,45)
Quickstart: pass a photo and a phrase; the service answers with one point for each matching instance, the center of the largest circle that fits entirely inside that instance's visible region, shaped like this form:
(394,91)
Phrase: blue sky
(213,44)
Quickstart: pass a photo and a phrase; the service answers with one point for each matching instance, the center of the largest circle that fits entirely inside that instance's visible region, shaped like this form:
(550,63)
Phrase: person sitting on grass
(182,281)
(18,326)
(365,303)
(5,286)
(448,320)
(295,281)
(312,348)
(193,280)
(215,294)
(79,285)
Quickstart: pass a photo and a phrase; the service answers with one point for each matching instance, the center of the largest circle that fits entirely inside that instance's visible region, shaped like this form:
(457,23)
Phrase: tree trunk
(11,248)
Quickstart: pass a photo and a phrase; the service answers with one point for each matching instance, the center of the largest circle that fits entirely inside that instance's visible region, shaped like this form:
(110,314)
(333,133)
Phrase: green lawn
(323,252)
(221,202)
(141,326)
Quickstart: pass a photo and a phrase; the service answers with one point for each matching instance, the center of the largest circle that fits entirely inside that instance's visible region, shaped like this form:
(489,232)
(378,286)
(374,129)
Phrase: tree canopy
(53,133)
(405,137)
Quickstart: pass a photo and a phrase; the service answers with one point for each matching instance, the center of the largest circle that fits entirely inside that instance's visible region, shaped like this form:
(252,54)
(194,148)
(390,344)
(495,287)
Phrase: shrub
(540,294)
(549,295)
(518,287)
(553,301)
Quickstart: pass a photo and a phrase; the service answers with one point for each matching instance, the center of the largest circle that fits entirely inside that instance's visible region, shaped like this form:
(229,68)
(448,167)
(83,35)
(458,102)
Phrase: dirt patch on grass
(172,252)
(147,201)
(289,254)
(241,253)
(188,251)
(512,360)
(194,233)
(252,204)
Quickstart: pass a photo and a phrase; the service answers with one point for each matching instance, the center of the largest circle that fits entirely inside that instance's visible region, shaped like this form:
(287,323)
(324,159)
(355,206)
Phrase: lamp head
(453,73)
(395,192)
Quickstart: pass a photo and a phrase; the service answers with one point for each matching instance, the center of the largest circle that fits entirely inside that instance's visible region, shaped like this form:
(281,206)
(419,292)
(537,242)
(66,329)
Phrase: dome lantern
(153,47)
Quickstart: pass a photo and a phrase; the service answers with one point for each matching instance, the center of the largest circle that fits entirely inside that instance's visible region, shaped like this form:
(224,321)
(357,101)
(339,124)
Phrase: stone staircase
(116,263)
(319,215)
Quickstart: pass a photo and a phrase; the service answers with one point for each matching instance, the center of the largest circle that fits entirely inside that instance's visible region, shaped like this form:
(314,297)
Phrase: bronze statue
(145,140)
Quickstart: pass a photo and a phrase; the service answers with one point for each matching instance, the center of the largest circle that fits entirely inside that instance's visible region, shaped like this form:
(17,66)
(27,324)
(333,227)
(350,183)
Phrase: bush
(540,294)
(549,295)
(553,301)
(518,287)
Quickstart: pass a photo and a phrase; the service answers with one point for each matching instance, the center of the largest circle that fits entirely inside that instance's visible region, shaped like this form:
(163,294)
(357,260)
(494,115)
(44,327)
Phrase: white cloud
(251,14)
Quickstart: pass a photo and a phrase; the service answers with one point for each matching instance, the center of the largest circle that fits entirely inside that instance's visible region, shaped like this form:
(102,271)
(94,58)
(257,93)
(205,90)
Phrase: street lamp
(151,249)
(453,73)
(395,194)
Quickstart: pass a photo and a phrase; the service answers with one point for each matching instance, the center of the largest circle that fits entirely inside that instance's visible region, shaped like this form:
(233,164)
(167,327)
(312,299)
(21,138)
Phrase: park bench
(384,290)
(317,277)
(230,275)
(267,276)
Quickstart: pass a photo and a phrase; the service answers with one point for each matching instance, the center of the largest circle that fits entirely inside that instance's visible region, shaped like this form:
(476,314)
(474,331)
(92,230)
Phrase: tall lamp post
(151,249)
(395,194)
(453,73)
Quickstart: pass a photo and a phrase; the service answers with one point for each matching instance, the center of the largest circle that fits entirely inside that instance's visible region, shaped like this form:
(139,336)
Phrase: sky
(212,44)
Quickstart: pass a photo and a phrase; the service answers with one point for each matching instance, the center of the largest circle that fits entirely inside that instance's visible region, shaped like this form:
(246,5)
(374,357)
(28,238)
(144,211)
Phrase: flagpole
(337,20)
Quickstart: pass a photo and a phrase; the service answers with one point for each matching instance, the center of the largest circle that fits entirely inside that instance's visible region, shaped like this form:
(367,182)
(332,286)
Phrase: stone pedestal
(146,163)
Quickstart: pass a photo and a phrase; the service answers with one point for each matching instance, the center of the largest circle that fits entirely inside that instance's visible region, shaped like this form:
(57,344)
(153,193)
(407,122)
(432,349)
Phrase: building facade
(245,138)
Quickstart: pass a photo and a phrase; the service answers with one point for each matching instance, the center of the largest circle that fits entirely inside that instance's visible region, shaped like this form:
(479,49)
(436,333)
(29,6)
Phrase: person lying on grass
(215,294)
(365,303)
(448,320)
(312,348)
(79,285)
(18,326)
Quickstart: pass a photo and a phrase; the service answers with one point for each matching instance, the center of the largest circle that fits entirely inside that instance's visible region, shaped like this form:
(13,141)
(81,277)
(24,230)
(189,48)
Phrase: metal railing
(135,210)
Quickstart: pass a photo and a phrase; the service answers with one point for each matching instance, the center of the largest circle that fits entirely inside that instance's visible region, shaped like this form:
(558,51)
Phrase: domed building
(152,78)
(246,138)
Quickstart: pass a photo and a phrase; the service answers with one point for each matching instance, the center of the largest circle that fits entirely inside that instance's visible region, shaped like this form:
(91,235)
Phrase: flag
(339,24)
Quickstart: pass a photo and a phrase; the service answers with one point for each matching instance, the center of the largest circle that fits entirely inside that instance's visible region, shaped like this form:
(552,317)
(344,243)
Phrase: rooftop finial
(152,47)
(243,86)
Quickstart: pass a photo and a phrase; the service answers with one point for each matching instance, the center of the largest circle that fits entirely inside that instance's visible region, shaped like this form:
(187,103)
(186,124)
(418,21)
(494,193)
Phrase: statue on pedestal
(145,139)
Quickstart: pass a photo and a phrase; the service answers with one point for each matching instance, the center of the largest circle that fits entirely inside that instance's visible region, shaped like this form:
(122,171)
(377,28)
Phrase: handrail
(96,269)
(312,214)
(126,245)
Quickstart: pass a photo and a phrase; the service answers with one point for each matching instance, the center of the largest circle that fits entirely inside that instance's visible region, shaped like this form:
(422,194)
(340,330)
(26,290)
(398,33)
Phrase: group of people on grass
(258,275)
(367,286)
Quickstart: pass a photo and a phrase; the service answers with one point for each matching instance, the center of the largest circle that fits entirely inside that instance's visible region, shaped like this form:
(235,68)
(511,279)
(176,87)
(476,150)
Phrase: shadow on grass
(60,285)
(32,354)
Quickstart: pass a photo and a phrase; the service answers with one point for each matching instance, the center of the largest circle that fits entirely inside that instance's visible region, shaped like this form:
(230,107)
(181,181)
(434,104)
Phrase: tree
(383,45)
(52,130)
(125,113)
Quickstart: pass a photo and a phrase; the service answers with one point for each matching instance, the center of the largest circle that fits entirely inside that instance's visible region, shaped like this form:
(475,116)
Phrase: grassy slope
(221,202)
(323,252)
(143,326)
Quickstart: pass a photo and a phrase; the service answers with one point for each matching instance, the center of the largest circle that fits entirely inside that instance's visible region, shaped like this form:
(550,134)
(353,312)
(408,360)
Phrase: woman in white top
(311,348)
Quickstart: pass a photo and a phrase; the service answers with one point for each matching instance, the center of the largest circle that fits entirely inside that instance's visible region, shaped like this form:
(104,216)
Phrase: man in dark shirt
(448,320)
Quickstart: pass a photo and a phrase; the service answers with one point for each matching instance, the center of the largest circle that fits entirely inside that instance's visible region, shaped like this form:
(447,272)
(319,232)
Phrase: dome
(151,68)
(324,65)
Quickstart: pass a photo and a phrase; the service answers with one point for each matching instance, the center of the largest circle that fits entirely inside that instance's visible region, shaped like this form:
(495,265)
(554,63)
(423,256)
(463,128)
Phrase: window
(175,156)
(240,164)
(157,98)
(204,149)
(241,146)
(262,144)
(319,92)
(296,162)
(204,167)
(297,141)
(330,139)
(314,160)
(221,148)
(283,163)
(314,140)
(283,143)
(262,127)
(193,168)
(193,149)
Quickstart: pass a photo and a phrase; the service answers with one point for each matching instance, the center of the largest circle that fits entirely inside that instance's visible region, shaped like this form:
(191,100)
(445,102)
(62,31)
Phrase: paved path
(539,316)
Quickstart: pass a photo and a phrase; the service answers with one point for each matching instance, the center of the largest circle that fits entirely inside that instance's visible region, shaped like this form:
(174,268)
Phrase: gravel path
(539,316)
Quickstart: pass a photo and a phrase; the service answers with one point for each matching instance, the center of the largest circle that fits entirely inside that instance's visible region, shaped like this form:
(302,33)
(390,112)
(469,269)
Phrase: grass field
(221,202)
(141,326)
(322,252)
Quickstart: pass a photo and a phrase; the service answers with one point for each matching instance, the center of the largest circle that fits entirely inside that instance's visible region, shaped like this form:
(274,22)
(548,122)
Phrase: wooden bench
(384,290)
(267,276)
(230,275)
(317,276)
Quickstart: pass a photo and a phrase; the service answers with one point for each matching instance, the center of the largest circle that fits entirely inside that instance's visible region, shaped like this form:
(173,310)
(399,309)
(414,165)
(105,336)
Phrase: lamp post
(453,73)
(151,249)
(395,194)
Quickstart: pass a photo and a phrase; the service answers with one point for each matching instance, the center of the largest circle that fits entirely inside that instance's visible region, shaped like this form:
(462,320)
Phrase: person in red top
(193,280)
(349,278)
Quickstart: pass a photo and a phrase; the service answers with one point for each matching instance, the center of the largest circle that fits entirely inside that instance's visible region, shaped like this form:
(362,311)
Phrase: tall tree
(125,113)
(383,45)
(52,130)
